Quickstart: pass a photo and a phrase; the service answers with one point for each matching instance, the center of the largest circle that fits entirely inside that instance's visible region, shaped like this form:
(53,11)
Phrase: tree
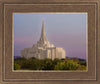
(33,58)
(66,65)
(47,64)
(33,64)
(70,65)
(20,58)
(59,66)
(76,60)
(56,60)
(67,59)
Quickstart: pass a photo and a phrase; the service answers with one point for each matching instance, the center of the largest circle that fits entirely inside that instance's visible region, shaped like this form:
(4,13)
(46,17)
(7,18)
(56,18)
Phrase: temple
(43,49)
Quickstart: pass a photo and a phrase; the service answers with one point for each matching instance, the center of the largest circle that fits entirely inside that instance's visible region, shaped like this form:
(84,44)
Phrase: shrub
(16,66)
(76,60)
(20,58)
(59,66)
(69,65)
(47,64)
(32,64)
(81,67)
(55,61)
(33,58)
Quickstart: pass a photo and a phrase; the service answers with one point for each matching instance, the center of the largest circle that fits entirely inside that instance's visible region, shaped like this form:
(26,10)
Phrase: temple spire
(43,34)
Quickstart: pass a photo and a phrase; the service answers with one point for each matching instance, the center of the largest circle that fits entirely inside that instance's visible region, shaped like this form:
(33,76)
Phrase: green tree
(47,64)
(35,64)
(67,59)
(20,60)
(33,58)
(71,65)
(66,65)
(76,60)
(32,64)
(56,60)
(59,66)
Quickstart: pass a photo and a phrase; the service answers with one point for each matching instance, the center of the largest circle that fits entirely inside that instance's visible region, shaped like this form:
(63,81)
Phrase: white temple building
(43,49)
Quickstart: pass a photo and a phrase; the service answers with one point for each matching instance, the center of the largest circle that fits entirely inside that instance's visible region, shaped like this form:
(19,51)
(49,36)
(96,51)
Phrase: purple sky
(67,30)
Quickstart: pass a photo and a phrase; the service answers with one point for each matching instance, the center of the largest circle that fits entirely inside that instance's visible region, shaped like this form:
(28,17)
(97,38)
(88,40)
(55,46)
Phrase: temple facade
(43,49)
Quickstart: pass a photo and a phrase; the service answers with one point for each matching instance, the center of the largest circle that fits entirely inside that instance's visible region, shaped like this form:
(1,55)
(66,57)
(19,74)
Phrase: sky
(66,30)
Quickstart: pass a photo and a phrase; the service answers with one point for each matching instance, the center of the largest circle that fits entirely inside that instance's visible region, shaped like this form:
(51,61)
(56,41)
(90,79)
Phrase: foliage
(16,66)
(56,60)
(48,64)
(66,65)
(76,60)
(32,64)
(81,67)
